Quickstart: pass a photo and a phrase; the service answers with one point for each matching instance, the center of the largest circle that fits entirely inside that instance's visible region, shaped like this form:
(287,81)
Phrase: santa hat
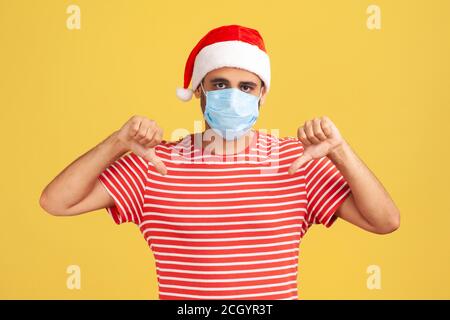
(226,46)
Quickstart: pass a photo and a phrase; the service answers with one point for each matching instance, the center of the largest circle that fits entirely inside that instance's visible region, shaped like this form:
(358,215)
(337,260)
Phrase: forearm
(371,199)
(75,182)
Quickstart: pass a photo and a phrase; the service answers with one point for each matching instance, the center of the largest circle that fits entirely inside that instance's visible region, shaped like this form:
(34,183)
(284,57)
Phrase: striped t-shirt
(225,227)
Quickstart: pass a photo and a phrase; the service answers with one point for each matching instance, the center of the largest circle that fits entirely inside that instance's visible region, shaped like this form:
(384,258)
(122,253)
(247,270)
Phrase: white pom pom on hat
(226,46)
(184,94)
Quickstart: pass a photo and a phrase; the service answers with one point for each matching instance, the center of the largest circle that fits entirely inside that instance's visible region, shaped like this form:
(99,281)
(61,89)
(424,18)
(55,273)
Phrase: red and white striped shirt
(225,228)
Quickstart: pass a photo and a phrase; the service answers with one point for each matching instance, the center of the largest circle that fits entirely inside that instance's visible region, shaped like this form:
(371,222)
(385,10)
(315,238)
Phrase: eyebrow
(247,83)
(219,80)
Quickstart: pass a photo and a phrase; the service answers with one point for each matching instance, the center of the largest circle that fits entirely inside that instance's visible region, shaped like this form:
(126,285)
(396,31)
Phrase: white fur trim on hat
(184,94)
(237,54)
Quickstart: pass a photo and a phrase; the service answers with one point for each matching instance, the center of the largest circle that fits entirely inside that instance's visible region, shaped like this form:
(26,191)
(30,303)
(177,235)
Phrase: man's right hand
(141,135)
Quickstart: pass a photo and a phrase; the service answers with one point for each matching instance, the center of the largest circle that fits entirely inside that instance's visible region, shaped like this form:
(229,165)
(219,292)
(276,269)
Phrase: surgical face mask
(231,112)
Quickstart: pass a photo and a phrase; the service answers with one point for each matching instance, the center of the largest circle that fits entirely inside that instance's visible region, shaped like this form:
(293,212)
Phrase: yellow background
(63,91)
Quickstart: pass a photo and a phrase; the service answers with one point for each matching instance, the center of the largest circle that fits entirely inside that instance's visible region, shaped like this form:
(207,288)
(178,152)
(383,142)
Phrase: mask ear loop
(260,93)
(203,89)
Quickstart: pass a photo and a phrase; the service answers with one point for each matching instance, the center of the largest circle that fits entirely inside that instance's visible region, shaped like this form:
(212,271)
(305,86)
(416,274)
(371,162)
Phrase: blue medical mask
(231,112)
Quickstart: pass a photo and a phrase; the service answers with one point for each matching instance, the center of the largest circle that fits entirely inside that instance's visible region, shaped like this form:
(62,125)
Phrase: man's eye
(246,88)
(220,85)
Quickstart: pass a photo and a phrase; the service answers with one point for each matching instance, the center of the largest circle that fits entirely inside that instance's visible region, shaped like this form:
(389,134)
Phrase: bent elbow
(48,205)
(391,224)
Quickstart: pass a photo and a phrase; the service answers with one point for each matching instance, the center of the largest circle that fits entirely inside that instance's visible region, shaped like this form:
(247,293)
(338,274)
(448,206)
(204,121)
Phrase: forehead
(232,74)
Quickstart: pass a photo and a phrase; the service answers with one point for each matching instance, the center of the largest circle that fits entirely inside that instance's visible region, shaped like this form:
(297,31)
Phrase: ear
(263,96)
(198,92)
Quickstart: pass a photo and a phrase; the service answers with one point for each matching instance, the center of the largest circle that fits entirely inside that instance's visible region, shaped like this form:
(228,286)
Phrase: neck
(230,147)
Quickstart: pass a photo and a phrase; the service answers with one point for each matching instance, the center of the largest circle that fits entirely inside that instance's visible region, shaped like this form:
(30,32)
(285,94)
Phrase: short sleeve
(125,181)
(326,190)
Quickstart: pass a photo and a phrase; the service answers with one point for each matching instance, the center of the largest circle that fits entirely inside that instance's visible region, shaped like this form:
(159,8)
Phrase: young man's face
(228,77)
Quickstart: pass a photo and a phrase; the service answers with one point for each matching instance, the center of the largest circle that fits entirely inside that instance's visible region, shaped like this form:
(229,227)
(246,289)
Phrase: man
(224,210)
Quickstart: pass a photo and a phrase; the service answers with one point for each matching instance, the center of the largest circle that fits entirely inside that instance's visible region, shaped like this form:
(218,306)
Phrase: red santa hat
(226,46)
